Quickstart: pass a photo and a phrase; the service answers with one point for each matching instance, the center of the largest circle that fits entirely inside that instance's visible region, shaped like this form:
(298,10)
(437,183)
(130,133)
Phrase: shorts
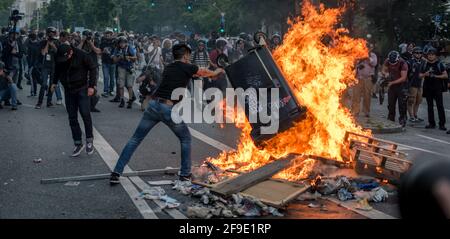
(124,78)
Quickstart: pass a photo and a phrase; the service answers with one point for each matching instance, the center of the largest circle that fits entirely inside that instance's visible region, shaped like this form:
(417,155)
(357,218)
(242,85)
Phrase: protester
(435,75)
(155,54)
(78,74)
(167,52)
(415,85)
(33,56)
(365,72)
(176,75)
(108,66)
(396,70)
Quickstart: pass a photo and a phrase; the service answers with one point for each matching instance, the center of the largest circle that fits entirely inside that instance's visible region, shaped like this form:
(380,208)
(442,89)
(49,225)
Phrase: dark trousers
(431,97)
(79,102)
(396,95)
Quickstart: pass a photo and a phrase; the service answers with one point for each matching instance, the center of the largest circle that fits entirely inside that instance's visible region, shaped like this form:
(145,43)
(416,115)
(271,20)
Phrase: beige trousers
(362,90)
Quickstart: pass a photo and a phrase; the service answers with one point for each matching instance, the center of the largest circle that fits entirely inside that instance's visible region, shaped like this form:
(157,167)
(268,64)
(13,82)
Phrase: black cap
(63,53)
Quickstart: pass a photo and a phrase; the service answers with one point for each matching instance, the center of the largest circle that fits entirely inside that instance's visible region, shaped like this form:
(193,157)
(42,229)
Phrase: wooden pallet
(377,158)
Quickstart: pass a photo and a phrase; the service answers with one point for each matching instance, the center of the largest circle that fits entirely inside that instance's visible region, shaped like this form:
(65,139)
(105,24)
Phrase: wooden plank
(108,175)
(352,205)
(247,180)
(275,193)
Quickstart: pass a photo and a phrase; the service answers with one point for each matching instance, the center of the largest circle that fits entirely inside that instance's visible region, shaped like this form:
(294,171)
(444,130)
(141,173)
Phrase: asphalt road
(28,134)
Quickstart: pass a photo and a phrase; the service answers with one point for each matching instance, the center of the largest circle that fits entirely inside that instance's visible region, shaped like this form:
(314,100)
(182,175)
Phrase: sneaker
(59,102)
(420,120)
(14,108)
(49,104)
(89,148)
(19,103)
(122,104)
(442,128)
(95,110)
(77,150)
(185,178)
(430,127)
(114,179)
(105,95)
(38,106)
(412,120)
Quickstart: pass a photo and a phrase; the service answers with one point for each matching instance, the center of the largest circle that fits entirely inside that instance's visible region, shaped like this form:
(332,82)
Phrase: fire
(318,62)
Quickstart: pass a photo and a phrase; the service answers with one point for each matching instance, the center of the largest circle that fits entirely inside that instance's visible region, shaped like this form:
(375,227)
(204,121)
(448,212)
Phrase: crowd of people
(408,75)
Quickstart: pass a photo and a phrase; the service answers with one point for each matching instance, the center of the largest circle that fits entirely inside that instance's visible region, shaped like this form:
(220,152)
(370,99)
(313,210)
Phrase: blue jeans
(109,77)
(10,92)
(157,112)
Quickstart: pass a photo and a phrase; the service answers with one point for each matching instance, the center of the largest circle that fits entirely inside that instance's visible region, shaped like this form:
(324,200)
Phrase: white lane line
(433,139)
(423,150)
(110,156)
(216,144)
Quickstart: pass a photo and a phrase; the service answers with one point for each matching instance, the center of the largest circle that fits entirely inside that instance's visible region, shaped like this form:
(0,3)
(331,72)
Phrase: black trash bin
(259,70)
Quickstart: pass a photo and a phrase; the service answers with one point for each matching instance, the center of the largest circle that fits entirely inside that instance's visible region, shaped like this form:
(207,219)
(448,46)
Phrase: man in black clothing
(88,45)
(46,64)
(77,73)
(434,74)
(176,75)
(109,68)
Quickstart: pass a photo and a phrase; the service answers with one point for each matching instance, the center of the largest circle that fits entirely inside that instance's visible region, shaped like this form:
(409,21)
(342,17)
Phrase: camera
(16,16)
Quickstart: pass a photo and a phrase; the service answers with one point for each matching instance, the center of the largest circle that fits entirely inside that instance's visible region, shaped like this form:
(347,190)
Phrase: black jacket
(7,55)
(78,73)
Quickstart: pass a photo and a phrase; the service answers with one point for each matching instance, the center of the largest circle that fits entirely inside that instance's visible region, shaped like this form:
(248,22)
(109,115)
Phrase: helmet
(393,57)
(418,49)
(51,30)
(122,39)
(431,50)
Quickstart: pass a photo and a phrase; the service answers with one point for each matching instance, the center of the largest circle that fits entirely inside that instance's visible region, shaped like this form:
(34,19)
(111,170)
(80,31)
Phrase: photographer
(108,66)
(125,56)
(46,65)
(365,72)
(434,74)
(87,44)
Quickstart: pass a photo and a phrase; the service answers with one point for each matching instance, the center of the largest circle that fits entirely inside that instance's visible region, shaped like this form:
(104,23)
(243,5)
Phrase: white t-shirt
(155,56)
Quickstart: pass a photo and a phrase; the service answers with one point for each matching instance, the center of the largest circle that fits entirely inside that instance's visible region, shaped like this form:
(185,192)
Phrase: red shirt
(396,70)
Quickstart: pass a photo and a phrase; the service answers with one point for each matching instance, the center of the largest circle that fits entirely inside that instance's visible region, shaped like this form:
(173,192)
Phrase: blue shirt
(128,51)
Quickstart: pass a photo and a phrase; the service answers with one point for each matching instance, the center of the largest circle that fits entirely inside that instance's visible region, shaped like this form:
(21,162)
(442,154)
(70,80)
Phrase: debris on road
(308,196)
(72,184)
(158,193)
(160,183)
(37,160)
(364,205)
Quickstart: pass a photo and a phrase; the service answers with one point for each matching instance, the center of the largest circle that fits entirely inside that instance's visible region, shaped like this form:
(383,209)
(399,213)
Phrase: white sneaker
(59,102)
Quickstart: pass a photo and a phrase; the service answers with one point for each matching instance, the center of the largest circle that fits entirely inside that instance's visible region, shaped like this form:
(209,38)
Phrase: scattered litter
(367,186)
(364,205)
(344,195)
(184,188)
(170,202)
(160,183)
(5,183)
(152,193)
(12,180)
(37,160)
(376,195)
(199,212)
(72,184)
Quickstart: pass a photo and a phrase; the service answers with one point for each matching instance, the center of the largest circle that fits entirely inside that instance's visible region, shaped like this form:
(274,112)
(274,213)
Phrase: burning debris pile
(318,73)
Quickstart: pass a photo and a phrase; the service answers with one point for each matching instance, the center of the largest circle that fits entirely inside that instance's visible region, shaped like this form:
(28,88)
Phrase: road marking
(352,205)
(423,150)
(109,156)
(433,139)
(216,144)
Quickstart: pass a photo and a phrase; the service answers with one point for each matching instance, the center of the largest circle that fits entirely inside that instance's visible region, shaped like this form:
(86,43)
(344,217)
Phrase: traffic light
(152,4)
(222,23)
(189,6)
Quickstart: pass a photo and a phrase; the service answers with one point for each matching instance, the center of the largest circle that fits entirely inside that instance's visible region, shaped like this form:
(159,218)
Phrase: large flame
(318,62)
